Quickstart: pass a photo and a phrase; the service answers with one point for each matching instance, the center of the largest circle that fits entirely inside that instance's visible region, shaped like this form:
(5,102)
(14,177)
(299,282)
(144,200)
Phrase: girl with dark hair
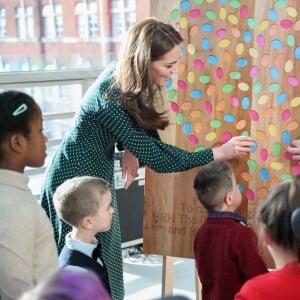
(279,221)
(125,106)
(27,248)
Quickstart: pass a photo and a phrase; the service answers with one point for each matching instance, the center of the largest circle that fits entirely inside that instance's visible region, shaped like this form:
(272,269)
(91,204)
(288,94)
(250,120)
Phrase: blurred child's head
(216,187)
(21,130)
(275,214)
(69,285)
(85,201)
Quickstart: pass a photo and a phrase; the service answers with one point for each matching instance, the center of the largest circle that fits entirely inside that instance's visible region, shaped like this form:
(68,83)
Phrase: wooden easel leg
(167,276)
(198,286)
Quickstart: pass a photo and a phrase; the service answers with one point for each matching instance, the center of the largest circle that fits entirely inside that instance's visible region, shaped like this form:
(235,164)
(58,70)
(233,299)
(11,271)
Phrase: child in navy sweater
(84,203)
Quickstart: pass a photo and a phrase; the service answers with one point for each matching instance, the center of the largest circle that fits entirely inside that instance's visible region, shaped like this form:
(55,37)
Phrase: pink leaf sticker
(181,84)
(285,115)
(174,107)
(221,33)
(260,40)
(195,13)
(264,154)
(293,81)
(254,116)
(253,71)
(193,139)
(250,195)
(286,24)
(219,72)
(208,106)
(226,137)
(199,64)
(235,101)
(244,11)
(296,169)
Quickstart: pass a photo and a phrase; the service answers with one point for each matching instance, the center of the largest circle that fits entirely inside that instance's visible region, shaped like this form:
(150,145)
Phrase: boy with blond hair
(85,203)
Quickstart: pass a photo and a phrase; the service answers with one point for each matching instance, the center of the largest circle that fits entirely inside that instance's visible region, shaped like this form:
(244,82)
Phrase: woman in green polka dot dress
(123,106)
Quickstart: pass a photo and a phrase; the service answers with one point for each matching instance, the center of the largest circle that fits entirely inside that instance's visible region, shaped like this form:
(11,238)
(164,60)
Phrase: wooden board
(239,75)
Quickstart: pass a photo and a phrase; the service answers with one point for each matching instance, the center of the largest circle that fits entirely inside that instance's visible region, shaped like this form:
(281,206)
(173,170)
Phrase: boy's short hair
(78,197)
(212,183)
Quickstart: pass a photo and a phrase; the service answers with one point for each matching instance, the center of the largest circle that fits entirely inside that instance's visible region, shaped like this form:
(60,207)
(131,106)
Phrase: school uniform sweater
(70,257)
(276,285)
(28,252)
(226,255)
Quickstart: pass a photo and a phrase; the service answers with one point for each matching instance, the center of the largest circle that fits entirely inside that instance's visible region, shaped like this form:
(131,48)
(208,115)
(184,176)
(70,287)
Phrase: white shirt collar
(85,248)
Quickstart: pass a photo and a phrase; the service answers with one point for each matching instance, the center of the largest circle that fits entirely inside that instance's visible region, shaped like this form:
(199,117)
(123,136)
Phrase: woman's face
(165,67)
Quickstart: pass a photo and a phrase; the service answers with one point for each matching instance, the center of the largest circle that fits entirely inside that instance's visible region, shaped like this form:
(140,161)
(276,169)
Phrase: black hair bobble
(295,222)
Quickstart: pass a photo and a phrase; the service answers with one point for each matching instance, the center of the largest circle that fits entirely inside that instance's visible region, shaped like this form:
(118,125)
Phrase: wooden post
(167,276)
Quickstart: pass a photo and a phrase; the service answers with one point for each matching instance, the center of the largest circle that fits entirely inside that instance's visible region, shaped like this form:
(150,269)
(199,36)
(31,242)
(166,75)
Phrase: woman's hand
(236,146)
(130,165)
(294,149)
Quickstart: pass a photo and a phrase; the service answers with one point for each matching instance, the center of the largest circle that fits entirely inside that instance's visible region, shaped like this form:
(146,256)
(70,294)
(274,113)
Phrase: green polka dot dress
(89,150)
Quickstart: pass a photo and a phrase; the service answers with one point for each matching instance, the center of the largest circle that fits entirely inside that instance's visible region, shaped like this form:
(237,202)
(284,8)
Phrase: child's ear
(265,237)
(17,142)
(86,223)
(228,199)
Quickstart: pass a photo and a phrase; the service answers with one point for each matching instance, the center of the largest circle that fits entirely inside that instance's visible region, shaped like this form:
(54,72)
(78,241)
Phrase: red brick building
(58,34)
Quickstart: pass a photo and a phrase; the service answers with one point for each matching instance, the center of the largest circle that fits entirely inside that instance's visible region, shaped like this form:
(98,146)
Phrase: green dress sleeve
(146,144)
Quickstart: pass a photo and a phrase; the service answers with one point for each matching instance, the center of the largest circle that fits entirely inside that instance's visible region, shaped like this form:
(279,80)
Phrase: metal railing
(45,78)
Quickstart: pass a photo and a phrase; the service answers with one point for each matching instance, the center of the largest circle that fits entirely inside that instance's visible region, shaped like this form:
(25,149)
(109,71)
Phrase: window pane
(63,35)
(59,26)
(117,24)
(82,27)
(87,20)
(2,23)
(93,25)
(115,4)
(30,28)
(53,21)
(59,99)
(130,19)
(130,4)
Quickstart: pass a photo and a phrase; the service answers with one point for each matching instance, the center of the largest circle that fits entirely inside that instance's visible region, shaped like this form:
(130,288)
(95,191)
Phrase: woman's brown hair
(146,42)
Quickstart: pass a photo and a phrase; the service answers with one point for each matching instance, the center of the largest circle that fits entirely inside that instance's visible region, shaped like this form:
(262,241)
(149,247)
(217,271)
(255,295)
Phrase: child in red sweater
(279,219)
(225,247)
